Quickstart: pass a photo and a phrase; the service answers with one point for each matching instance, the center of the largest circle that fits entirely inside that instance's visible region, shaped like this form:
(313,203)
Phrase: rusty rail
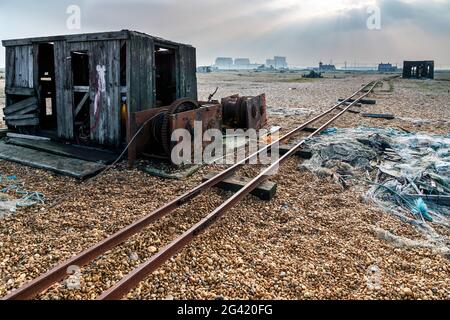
(43,282)
(141,272)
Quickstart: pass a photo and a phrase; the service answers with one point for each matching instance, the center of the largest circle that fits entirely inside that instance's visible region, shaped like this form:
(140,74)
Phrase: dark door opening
(81,95)
(47,89)
(166,80)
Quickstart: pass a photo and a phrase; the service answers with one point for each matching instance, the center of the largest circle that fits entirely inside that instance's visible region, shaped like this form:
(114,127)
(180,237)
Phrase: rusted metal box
(245,112)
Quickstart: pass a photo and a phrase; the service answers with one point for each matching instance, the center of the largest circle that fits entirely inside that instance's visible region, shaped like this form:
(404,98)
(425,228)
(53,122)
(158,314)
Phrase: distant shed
(418,69)
(84,87)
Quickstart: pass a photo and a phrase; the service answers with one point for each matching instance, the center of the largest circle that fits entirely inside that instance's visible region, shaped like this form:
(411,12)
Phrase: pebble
(407,292)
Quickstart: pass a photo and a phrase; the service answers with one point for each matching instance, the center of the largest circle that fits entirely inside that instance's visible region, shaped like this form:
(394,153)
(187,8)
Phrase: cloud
(306,31)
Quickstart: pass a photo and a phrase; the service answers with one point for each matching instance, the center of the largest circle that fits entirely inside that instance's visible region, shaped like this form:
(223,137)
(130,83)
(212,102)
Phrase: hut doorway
(81,95)
(47,87)
(165,76)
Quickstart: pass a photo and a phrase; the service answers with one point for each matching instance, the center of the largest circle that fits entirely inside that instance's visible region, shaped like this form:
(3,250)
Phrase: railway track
(120,289)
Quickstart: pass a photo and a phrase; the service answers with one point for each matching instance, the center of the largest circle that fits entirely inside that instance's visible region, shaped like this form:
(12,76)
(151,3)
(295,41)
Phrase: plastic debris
(422,210)
(8,203)
(400,168)
(329,131)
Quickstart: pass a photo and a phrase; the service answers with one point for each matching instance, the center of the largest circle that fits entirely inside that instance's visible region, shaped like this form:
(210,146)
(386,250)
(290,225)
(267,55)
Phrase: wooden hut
(82,88)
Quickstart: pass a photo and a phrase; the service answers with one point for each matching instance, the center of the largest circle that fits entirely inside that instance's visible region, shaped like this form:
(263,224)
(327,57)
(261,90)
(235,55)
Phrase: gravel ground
(313,241)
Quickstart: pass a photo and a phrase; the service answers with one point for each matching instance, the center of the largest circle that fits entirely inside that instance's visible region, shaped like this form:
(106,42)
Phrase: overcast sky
(305,31)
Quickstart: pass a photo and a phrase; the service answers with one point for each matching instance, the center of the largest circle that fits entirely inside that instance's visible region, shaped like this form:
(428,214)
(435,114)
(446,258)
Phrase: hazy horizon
(305,31)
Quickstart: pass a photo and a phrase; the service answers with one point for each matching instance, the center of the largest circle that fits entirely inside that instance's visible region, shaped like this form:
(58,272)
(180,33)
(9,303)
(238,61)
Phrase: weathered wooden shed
(83,88)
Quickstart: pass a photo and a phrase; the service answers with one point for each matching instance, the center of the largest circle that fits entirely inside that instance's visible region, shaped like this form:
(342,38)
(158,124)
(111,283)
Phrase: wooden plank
(20,91)
(21,117)
(141,86)
(64,94)
(266,191)
(66,150)
(190,69)
(25,136)
(23,123)
(20,105)
(9,68)
(98,36)
(26,110)
(23,67)
(81,89)
(379,116)
(81,104)
(362,101)
(75,168)
(87,89)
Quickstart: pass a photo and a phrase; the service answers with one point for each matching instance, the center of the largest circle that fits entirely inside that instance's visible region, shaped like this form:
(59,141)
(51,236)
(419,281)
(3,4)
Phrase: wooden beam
(20,91)
(378,116)
(81,104)
(362,101)
(26,137)
(23,123)
(21,105)
(83,89)
(265,191)
(102,36)
(21,117)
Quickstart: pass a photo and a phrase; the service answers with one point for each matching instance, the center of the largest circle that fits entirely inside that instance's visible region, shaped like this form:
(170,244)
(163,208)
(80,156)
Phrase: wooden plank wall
(64,95)
(19,67)
(188,72)
(104,69)
(105,92)
(141,75)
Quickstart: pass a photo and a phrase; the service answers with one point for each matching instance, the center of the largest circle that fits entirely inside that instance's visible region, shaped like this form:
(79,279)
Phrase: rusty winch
(244,112)
(159,124)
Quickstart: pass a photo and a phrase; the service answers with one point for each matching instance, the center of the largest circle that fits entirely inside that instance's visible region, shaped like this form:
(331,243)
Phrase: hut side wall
(141,94)
(64,93)
(19,67)
(188,73)
(104,89)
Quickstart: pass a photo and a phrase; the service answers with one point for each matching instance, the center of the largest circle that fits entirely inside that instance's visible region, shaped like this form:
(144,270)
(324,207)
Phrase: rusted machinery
(154,127)
(244,112)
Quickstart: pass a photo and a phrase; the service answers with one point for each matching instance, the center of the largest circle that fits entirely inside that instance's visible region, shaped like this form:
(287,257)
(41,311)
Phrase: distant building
(224,63)
(280,63)
(418,69)
(270,63)
(243,62)
(387,67)
(326,67)
(277,62)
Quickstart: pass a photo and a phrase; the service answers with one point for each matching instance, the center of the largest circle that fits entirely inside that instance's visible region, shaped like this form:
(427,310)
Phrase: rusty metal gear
(181,105)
